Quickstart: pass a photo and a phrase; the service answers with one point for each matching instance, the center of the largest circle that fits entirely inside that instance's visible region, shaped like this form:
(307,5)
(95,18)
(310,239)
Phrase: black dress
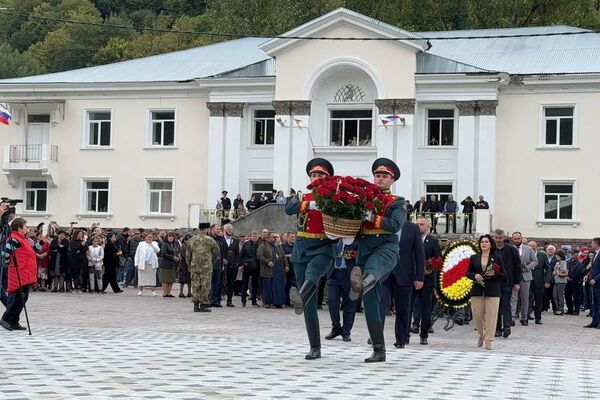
(492,283)
(111,263)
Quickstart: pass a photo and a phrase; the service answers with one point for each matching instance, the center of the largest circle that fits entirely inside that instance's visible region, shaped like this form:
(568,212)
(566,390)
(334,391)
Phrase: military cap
(386,166)
(204,225)
(319,165)
(224,192)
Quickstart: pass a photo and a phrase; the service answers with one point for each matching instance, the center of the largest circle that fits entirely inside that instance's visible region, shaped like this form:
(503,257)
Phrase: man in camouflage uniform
(199,257)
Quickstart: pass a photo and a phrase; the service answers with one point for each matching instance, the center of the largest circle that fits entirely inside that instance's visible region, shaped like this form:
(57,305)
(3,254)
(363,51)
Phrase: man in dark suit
(251,273)
(432,207)
(539,276)
(408,274)
(594,281)
(230,262)
(419,206)
(512,271)
(423,298)
(218,265)
(338,288)
(549,286)
(573,289)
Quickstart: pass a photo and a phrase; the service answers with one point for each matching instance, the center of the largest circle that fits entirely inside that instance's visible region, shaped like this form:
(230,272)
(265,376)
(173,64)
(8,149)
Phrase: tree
(14,64)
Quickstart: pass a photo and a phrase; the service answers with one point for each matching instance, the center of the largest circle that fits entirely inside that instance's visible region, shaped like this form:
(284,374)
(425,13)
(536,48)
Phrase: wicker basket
(341,227)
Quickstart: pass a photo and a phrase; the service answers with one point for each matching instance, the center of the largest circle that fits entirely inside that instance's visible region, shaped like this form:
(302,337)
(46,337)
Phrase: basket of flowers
(344,203)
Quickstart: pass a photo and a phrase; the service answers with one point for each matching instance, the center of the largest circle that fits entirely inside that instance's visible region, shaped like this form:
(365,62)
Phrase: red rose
(351,200)
(369,193)
(331,185)
(369,205)
(322,191)
(336,197)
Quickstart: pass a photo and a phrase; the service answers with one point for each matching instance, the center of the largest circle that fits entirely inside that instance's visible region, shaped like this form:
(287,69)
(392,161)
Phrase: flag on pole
(4,115)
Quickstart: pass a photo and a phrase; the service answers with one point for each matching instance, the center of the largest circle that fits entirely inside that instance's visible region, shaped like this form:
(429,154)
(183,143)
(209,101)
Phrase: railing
(453,222)
(32,153)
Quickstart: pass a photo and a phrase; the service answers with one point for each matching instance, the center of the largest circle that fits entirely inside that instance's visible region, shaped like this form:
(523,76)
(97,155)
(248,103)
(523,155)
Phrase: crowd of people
(228,211)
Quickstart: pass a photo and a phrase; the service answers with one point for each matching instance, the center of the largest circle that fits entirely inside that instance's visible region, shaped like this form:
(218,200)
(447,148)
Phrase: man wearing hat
(226,203)
(378,252)
(312,255)
(199,257)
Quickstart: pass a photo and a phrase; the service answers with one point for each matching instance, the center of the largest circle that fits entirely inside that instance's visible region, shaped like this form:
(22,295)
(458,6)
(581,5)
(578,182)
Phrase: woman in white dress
(146,262)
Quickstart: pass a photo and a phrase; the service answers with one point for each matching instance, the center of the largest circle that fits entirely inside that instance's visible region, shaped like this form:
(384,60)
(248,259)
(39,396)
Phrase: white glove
(347,241)
(312,205)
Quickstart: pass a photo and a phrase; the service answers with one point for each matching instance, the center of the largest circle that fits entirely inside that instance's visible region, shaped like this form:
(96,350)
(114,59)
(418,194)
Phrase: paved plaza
(123,346)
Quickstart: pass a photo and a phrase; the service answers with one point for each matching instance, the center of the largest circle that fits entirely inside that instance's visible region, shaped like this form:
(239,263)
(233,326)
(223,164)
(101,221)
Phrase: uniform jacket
(493,283)
(411,266)
(26,262)
(310,222)
(199,253)
(431,248)
(226,202)
(528,262)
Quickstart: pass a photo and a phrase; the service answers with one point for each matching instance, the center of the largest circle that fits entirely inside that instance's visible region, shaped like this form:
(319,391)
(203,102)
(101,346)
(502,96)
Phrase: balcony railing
(32,153)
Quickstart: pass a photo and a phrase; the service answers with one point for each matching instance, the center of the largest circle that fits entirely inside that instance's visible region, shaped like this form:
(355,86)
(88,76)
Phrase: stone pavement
(124,346)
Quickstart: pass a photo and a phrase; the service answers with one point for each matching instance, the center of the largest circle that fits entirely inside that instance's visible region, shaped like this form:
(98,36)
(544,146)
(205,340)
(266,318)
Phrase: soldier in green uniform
(312,255)
(199,257)
(378,252)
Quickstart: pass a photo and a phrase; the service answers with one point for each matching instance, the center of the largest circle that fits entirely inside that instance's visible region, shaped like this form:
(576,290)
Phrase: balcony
(30,161)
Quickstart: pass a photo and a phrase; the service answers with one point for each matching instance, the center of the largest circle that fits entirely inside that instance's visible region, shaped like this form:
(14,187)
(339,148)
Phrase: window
(99,125)
(163,128)
(95,196)
(260,189)
(558,201)
(558,126)
(36,196)
(440,190)
(440,127)
(160,196)
(38,118)
(264,127)
(351,127)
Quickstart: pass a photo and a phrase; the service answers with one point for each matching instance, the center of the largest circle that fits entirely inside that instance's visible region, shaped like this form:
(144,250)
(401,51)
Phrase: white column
(405,150)
(216,159)
(233,138)
(486,152)
(303,152)
(465,171)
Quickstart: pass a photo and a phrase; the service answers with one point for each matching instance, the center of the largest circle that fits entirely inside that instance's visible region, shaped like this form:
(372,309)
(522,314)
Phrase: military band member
(312,255)
(199,257)
(378,253)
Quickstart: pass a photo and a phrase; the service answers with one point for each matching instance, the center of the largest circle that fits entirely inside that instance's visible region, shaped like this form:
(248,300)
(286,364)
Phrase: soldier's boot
(314,338)
(300,297)
(205,308)
(376,334)
(360,285)
(196,306)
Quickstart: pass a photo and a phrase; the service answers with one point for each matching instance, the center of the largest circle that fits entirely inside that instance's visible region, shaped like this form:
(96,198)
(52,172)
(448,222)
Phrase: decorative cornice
(487,107)
(466,108)
(234,109)
(395,106)
(215,109)
(289,107)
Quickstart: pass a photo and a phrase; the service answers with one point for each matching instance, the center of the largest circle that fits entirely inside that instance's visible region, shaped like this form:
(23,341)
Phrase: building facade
(152,142)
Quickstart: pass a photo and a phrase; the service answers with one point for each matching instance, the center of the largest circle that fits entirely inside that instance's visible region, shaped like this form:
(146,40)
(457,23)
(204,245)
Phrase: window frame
(148,192)
(26,190)
(253,182)
(252,112)
(542,195)
(451,183)
(150,128)
(87,131)
(83,199)
(350,107)
(542,127)
(425,136)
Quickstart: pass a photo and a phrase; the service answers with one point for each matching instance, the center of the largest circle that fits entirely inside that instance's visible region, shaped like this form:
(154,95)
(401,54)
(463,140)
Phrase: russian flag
(4,116)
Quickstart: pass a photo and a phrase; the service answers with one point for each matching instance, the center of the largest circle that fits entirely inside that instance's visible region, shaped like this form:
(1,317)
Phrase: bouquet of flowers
(433,264)
(344,203)
(493,266)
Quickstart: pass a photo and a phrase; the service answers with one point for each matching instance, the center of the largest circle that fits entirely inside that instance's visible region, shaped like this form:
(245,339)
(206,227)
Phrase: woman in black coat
(78,261)
(112,253)
(485,269)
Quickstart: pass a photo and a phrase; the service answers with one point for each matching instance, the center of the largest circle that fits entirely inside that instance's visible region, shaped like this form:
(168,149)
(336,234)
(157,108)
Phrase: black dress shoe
(377,356)
(5,325)
(346,338)
(216,305)
(538,322)
(18,327)
(205,308)
(424,340)
(530,318)
(243,304)
(459,322)
(512,323)
(414,329)
(230,304)
(407,341)
(431,330)
(585,326)
(498,334)
(313,354)
(524,322)
(333,334)
(399,345)
(506,332)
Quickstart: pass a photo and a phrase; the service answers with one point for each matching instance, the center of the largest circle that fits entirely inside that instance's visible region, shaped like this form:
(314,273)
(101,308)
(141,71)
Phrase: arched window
(349,94)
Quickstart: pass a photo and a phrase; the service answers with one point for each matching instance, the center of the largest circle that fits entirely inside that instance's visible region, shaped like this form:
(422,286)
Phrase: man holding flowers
(378,250)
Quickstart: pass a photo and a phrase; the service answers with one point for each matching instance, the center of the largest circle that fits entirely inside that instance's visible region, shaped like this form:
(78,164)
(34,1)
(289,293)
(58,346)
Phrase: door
(38,134)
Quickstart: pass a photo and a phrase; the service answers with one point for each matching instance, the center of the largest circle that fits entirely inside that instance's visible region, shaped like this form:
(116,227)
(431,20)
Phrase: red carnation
(369,205)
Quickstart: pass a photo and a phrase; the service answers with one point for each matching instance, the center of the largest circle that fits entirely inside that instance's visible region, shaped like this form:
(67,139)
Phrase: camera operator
(22,273)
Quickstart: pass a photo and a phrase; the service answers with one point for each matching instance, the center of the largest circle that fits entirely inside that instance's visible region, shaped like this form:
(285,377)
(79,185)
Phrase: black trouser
(422,316)
(290,281)
(549,298)
(451,218)
(321,291)
(573,295)
(433,222)
(110,278)
(536,297)
(504,312)
(16,303)
(231,273)
(468,219)
(248,274)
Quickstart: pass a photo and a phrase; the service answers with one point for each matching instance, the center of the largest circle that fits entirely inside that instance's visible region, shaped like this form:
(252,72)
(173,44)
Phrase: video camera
(10,209)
